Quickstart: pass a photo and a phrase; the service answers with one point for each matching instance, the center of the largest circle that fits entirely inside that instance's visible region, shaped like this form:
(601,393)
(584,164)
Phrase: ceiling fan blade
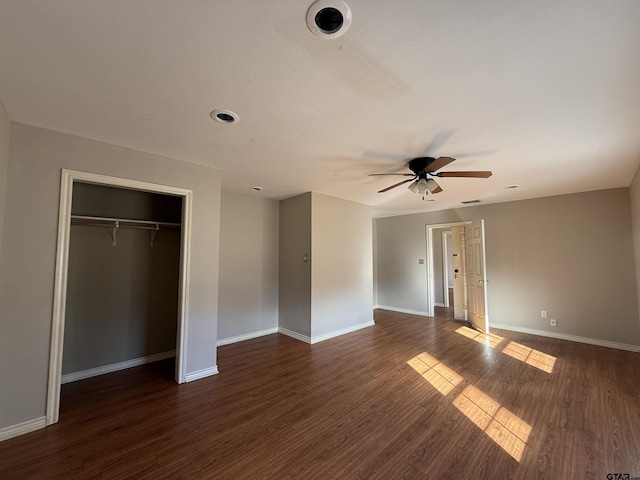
(403,174)
(438,163)
(437,142)
(478,174)
(396,185)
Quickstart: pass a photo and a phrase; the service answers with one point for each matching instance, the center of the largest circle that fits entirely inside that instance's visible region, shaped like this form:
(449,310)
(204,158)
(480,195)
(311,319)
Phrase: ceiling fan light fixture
(432,185)
(413,186)
(422,186)
(329,18)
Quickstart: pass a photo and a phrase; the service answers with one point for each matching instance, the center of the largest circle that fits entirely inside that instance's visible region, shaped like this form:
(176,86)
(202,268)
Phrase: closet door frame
(68,178)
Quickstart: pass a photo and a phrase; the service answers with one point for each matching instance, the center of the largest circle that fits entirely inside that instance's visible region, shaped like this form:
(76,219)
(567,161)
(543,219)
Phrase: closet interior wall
(122,299)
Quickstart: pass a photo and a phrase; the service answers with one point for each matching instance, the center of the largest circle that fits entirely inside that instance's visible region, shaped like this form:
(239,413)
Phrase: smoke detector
(225,116)
(329,18)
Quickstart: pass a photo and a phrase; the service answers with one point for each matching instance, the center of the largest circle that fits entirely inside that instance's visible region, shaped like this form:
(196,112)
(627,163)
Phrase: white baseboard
(20,429)
(401,310)
(343,331)
(296,335)
(571,338)
(438,304)
(324,336)
(247,336)
(206,372)
(114,367)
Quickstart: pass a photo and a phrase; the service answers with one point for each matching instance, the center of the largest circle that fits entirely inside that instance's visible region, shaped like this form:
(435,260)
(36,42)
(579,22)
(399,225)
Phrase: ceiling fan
(425,167)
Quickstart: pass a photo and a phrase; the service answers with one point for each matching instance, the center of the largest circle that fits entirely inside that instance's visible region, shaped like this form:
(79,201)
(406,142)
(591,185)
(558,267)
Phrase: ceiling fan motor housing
(417,165)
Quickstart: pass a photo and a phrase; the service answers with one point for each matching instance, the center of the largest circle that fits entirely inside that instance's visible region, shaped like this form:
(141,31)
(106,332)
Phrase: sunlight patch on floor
(530,356)
(488,339)
(505,428)
(435,372)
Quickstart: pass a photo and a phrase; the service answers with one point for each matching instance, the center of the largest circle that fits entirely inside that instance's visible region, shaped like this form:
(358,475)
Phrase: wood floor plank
(409,398)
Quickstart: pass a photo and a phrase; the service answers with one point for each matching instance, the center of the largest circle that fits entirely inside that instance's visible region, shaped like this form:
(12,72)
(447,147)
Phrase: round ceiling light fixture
(329,18)
(225,116)
(255,189)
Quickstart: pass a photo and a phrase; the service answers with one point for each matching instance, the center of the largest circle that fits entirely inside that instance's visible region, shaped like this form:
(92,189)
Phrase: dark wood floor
(410,397)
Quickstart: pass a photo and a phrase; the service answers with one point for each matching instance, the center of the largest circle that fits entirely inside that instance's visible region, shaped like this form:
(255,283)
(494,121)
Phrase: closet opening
(120,292)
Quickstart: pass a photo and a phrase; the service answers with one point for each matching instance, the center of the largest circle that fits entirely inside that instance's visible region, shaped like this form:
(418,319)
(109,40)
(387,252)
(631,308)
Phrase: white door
(457,261)
(476,275)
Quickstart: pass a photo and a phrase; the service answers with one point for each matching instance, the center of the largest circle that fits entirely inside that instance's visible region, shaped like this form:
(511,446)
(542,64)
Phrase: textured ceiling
(546,94)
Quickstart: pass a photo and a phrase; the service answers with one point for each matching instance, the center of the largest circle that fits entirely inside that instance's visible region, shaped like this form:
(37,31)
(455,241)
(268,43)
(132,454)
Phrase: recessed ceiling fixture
(513,185)
(225,116)
(256,189)
(329,18)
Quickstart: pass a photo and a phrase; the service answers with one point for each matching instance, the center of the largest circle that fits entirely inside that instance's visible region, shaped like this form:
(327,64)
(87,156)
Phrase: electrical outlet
(553,322)
(543,313)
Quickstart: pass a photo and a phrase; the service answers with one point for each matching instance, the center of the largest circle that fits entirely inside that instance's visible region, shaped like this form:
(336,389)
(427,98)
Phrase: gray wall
(122,300)
(248,265)
(634,196)
(570,255)
(295,275)
(5,129)
(342,271)
(29,245)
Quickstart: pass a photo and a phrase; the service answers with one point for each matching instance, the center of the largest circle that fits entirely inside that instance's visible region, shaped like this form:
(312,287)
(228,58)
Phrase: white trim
(571,338)
(207,372)
(62,261)
(114,367)
(183,292)
(20,429)
(342,331)
(296,335)
(403,310)
(324,336)
(445,270)
(247,336)
(439,304)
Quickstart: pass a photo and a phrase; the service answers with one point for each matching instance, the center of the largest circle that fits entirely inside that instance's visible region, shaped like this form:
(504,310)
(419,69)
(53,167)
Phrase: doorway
(469,265)
(69,177)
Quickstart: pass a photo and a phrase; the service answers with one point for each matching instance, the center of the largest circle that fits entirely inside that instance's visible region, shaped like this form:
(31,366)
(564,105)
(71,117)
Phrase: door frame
(431,292)
(68,177)
(445,269)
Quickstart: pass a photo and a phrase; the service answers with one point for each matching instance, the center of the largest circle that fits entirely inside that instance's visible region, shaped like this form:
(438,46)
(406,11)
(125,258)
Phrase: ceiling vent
(329,18)
(467,202)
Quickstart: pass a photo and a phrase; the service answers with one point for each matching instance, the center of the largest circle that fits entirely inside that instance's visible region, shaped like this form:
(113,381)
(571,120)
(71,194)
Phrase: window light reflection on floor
(436,373)
(505,428)
(488,339)
(530,356)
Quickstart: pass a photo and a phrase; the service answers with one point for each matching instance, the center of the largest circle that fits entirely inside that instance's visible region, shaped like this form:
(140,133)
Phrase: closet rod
(120,222)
